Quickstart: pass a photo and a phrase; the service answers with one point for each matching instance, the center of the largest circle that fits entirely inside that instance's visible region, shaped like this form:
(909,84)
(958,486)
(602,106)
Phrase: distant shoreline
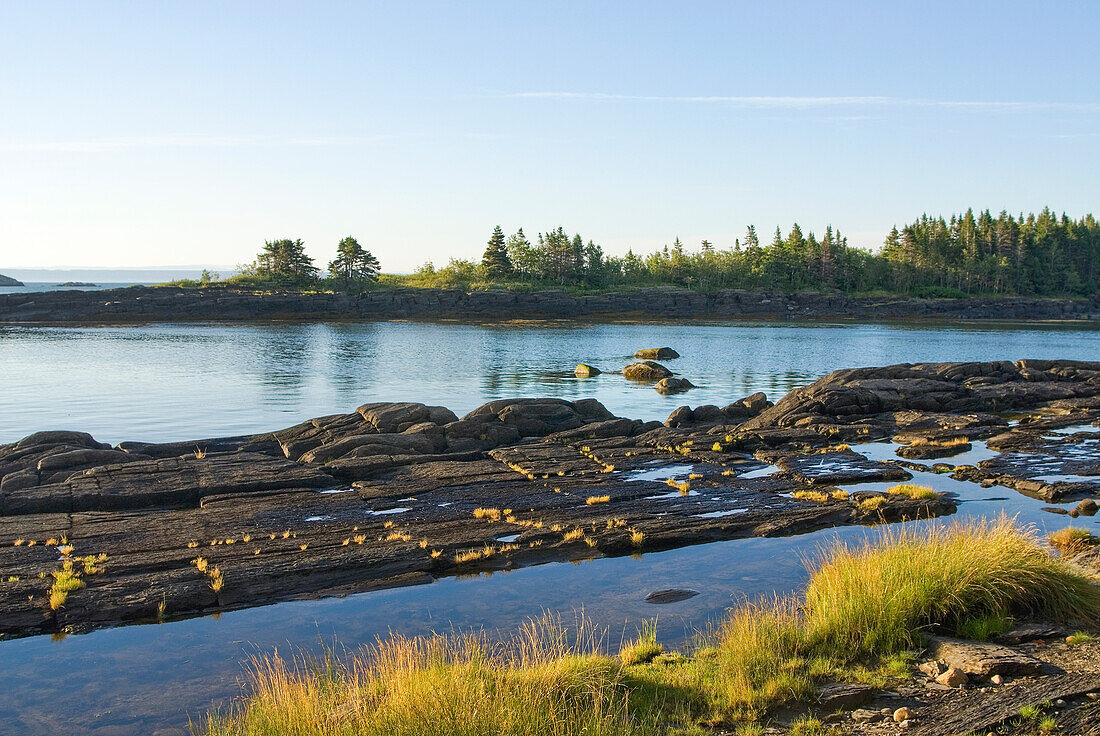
(143,304)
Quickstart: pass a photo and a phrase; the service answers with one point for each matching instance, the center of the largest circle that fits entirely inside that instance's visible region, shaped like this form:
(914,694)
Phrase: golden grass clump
(682,486)
(817,496)
(593,500)
(65,581)
(872,503)
(637,537)
(913,491)
(1072,540)
(490,514)
(572,535)
(539,682)
(934,442)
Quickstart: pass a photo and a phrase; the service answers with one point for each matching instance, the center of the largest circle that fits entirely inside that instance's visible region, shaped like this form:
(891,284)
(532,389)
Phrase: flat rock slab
(975,711)
(671,595)
(844,695)
(1031,632)
(982,659)
(840,467)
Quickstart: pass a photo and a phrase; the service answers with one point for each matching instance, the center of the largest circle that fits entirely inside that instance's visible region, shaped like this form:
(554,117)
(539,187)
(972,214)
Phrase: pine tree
(495,261)
(751,240)
(285,261)
(353,264)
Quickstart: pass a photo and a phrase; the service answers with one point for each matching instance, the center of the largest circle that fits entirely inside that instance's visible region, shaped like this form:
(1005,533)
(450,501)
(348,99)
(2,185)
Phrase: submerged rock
(583,370)
(673,385)
(656,354)
(671,595)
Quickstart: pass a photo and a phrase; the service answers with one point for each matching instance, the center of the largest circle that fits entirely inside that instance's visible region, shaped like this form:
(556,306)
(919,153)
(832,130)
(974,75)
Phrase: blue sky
(167,133)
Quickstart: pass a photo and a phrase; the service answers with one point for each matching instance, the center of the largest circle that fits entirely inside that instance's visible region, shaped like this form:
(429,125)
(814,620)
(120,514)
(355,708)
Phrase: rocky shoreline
(397,494)
(140,304)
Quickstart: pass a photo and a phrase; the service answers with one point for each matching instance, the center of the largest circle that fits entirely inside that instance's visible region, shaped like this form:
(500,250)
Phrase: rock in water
(583,370)
(656,354)
(673,385)
(646,370)
(672,595)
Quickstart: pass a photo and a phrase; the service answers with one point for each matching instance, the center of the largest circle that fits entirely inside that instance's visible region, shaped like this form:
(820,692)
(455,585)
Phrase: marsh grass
(593,500)
(1072,540)
(541,681)
(864,610)
(818,496)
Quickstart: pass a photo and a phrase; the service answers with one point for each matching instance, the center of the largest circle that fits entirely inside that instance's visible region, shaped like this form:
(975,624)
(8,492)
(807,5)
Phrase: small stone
(902,714)
(997,679)
(862,715)
(954,677)
(905,724)
(1074,513)
(1060,703)
(583,370)
(1087,507)
(1092,696)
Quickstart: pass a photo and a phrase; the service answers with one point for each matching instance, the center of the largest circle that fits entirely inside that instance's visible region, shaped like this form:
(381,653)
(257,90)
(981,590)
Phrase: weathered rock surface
(400,493)
(980,659)
(656,354)
(9,281)
(646,370)
(673,385)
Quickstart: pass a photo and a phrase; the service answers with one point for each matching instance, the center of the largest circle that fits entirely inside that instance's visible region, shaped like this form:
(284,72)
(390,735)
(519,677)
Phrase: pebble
(902,714)
(904,724)
(1092,696)
(997,680)
(954,677)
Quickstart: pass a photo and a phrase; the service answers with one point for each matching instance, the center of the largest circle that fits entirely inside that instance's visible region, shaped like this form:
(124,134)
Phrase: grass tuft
(1072,540)
(644,648)
(915,492)
(593,500)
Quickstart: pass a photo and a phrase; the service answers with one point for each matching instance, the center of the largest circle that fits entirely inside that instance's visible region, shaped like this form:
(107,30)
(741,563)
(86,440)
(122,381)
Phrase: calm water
(176,382)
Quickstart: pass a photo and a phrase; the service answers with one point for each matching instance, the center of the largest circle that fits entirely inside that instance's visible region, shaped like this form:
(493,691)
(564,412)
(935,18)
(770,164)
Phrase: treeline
(284,264)
(1035,255)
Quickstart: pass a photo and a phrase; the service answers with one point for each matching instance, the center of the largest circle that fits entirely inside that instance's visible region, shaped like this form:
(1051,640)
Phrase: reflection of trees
(282,360)
(351,353)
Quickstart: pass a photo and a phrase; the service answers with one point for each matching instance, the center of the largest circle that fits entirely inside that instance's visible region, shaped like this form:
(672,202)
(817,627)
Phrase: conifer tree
(495,260)
(353,264)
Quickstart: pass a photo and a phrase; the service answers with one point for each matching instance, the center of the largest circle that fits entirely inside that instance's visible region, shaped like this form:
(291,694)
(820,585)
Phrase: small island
(69,284)
(9,281)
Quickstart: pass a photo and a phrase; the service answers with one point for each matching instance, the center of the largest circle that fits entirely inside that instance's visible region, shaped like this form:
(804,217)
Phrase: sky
(147,134)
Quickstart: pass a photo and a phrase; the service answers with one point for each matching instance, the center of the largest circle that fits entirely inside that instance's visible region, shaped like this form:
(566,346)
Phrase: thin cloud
(124,143)
(766,102)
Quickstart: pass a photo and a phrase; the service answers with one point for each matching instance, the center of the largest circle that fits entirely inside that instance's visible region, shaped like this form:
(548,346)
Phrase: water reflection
(171,382)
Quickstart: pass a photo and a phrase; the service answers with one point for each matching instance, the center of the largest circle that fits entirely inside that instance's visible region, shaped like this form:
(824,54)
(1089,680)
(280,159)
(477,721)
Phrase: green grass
(864,611)
(644,648)
(1079,637)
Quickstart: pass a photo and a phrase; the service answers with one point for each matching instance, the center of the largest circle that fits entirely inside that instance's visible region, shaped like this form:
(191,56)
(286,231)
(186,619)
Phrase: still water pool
(177,382)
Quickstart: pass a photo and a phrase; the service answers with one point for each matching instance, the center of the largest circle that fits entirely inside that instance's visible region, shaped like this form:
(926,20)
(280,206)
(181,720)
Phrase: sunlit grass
(593,500)
(864,610)
(917,493)
(1072,540)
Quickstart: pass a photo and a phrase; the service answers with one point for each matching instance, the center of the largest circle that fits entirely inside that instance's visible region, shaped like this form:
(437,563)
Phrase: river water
(171,382)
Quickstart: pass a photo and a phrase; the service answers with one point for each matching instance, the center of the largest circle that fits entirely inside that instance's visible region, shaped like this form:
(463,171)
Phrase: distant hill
(9,281)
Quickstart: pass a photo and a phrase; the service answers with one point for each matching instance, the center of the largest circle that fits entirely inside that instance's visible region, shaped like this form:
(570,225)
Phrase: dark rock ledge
(167,304)
(402,493)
